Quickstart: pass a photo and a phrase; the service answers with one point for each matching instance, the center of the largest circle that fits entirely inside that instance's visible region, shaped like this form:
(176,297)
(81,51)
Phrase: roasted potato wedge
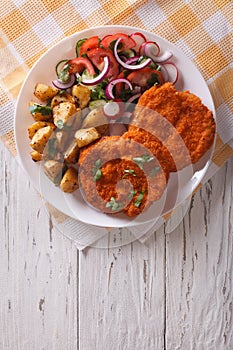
(36,156)
(72,153)
(41,138)
(97,119)
(33,128)
(82,95)
(77,120)
(85,136)
(45,92)
(53,169)
(62,113)
(64,97)
(69,182)
(62,138)
(40,112)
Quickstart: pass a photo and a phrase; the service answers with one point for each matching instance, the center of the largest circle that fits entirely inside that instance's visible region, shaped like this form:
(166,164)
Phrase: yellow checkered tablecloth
(201,29)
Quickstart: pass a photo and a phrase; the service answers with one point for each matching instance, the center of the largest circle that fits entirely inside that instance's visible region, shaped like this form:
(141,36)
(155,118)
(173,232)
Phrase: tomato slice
(77,65)
(127,42)
(89,44)
(145,76)
(97,58)
(120,86)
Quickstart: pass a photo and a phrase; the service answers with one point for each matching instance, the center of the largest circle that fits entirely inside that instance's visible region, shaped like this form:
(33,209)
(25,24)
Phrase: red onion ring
(139,38)
(150,49)
(172,71)
(132,98)
(63,86)
(164,57)
(110,86)
(101,76)
(132,60)
(128,66)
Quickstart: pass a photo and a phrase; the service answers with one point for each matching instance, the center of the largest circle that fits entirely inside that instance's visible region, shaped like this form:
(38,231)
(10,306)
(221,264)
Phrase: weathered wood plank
(38,269)
(199,281)
(175,292)
(122,296)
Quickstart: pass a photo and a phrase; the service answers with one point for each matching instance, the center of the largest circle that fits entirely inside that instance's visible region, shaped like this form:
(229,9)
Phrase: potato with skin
(97,119)
(33,128)
(40,112)
(62,113)
(72,153)
(86,136)
(77,120)
(36,156)
(53,170)
(59,98)
(45,92)
(69,182)
(82,95)
(41,138)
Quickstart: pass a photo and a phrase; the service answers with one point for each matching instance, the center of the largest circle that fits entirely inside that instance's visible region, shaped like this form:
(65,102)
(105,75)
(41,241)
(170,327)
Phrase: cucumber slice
(128,53)
(60,66)
(78,45)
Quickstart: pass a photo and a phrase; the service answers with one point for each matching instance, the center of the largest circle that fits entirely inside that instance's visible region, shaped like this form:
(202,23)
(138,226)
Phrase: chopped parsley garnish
(153,80)
(61,92)
(146,158)
(98,93)
(131,194)
(60,124)
(114,205)
(97,173)
(51,148)
(44,110)
(128,172)
(139,199)
(112,44)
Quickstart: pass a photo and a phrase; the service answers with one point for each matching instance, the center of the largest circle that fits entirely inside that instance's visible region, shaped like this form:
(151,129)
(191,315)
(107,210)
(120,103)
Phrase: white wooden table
(174,292)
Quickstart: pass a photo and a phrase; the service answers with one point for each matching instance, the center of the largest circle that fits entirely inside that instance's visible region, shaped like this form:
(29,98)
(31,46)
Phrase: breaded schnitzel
(118,174)
(169,130)
(179,120)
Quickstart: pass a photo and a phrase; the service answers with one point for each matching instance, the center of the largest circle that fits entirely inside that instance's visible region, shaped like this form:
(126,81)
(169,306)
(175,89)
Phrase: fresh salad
(117,67)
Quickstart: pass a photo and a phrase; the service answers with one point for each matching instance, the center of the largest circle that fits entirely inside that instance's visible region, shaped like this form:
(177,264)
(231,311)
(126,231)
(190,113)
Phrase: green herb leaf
(51,148)
(44,110)
(153,80)
(97,173)
(98,93)
(114,205)
(131,194)
(59,123)
(146,158)
(98,163)
(139,199)
(112,44)
(128,172)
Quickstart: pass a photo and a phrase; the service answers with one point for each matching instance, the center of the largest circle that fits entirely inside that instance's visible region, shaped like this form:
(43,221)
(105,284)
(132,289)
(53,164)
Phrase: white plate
(73,204)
